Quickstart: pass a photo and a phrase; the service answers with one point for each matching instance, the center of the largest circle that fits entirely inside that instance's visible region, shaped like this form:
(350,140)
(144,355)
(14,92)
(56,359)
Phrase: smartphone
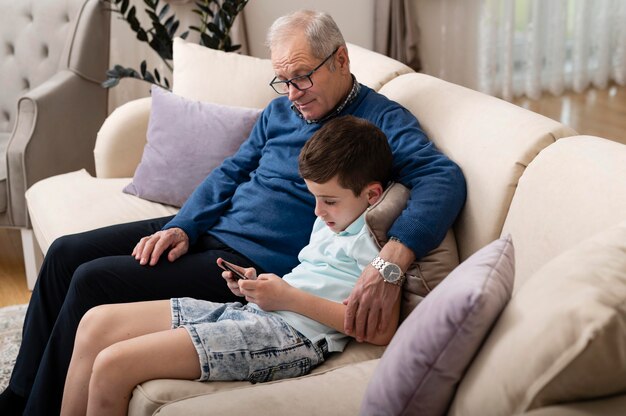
(231,268)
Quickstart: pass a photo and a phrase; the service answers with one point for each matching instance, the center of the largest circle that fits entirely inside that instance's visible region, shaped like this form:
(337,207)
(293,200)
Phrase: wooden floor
(13,288)
(594,112)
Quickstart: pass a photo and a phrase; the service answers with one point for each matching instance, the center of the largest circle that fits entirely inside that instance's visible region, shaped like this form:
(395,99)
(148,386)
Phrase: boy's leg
(65,255)
(238,342)
(120,279)
(119,368)
(100,328)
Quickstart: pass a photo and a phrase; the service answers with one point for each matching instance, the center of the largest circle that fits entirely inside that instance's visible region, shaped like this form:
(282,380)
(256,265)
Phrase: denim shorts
(237,342)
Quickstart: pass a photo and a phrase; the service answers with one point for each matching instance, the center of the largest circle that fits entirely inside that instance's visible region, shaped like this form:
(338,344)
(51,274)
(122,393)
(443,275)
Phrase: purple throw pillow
(419,372)
(186,141)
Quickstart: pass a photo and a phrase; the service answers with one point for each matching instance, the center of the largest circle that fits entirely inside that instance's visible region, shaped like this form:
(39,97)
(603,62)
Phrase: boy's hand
(232,282)
(268,291)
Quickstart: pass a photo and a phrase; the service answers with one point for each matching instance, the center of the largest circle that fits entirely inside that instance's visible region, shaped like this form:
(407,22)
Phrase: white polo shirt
(329,267)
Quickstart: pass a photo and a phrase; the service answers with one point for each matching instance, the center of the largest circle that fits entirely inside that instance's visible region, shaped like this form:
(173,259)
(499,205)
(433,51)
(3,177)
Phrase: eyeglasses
(303,82)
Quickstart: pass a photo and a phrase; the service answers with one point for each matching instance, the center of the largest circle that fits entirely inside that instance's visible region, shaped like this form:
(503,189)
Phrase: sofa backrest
(573,189)
(205,74)
(374,69)
(492,141)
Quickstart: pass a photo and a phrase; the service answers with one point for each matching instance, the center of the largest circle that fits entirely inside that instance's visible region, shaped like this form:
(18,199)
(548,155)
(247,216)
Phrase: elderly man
(254,210)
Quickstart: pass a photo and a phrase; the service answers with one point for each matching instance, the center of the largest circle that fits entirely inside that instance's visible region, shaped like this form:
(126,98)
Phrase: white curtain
(526,47)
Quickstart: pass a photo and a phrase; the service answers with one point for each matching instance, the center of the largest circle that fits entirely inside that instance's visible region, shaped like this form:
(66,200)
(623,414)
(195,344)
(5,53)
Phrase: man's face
(335,205)
(292,58)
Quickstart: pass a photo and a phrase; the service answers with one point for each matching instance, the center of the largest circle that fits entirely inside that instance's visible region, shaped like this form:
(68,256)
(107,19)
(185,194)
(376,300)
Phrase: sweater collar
(356,88)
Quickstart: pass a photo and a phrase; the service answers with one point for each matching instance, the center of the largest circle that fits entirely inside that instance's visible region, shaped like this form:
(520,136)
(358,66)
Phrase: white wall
(355,18)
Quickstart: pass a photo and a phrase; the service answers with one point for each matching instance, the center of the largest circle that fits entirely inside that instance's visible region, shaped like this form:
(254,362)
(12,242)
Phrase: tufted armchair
(53,56)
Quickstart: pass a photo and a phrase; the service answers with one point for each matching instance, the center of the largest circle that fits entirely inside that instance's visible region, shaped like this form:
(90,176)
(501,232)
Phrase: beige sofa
(525,175)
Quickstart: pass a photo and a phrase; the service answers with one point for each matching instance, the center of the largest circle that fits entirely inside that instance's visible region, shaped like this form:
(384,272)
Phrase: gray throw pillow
(186,140)
(419,372)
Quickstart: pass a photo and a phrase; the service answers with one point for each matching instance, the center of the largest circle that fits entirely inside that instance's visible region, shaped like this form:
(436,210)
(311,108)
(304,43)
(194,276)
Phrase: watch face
(392,273)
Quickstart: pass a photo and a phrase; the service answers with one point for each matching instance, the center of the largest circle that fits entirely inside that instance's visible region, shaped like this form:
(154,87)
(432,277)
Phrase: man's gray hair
(320,30)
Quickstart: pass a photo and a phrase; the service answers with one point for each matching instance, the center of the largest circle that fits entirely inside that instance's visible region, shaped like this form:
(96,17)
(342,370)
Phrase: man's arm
(437,195)
(369,306)
(206,203)
(212,197)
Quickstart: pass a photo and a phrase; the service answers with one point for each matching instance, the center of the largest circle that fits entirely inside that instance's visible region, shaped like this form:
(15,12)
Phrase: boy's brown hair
(350,147)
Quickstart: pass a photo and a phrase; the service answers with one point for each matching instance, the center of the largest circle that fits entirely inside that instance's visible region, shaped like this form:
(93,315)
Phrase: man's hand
(149,249)
(370,304)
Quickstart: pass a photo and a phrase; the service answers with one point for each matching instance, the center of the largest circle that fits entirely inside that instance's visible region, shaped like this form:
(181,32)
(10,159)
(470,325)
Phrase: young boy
(290,324)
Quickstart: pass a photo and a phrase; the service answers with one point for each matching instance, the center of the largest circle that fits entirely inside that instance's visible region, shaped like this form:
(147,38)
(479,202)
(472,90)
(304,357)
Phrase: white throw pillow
(228,78)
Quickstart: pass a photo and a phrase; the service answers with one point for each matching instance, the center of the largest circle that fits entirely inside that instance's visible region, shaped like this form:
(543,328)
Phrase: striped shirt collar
(356,88)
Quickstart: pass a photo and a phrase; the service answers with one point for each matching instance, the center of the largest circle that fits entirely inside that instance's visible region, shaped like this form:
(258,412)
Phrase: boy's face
(337,206)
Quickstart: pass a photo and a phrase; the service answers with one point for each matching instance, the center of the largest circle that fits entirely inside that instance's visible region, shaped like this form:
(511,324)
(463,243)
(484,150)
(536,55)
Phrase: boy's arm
(271,293)
(332,314)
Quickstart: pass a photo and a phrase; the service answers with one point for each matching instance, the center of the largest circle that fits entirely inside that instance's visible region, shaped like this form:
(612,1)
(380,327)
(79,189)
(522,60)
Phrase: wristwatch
(390,272)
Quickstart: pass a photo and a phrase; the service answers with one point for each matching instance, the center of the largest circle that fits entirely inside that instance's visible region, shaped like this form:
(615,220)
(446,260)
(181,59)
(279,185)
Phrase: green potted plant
(216,18)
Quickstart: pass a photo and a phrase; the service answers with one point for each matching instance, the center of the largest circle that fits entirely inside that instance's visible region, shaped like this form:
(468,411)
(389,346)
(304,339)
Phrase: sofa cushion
(374,69)
(335,392)
(148,396)
(429,353)
(546,205)
(228,78)
(186,140)
(75,202)
(422,275)
(562,337)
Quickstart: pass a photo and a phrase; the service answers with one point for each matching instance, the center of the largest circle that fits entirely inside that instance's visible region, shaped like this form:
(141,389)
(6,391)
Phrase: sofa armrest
(121,140)
(608,406)
(335,392)
(55,132)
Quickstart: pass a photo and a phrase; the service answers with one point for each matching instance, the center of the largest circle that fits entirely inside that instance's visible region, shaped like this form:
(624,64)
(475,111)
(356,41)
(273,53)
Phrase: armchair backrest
(39,37)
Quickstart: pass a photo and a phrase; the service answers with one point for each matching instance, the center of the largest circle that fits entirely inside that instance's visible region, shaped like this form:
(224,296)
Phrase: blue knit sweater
(256,202)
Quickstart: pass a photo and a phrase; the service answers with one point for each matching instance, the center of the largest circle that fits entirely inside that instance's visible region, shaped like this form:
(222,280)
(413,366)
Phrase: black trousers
(84,270)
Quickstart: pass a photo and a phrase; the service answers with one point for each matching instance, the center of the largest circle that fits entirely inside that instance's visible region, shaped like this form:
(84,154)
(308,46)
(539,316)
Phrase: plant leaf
(148,77)
(164,11)
(142,35)
(215,17)
(213,28)
(170,21)
(110,82)
(209,41)
(205,8)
